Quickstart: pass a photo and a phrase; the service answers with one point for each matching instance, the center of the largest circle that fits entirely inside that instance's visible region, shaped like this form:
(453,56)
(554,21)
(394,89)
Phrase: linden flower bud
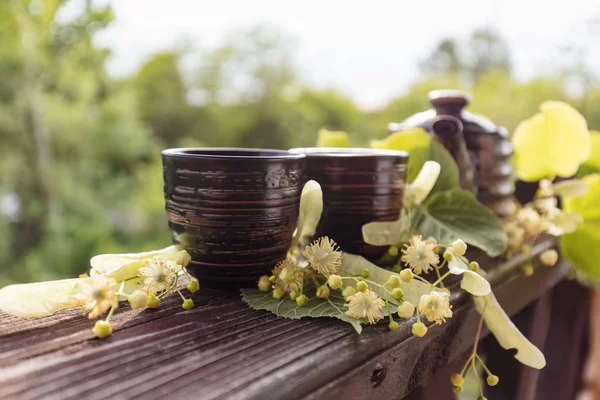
(457,389)
(419,329)
(527,270)
(294,294)
(397,293)
(406,309)
(102,329)
(492,380)
(393,326)
(362,286)
(364,273)
(393,251)
(138,299)
(348,291)
(301,300)
(406,275)
(264,283)
(193,286)
(459,247)
(474,266)
(323,292)
(457,379)
(278,293)
(152,301)
(183,258)
(334,281)
(272,278)
(549,257)
(394,281)
(188,304)
(448,256)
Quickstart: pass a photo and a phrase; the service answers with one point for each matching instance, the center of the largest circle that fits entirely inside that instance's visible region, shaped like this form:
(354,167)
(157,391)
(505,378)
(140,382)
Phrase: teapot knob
(449,102)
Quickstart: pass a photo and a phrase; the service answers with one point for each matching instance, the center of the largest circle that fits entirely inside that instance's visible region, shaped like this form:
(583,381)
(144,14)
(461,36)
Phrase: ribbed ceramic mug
(360,185)
(234,210)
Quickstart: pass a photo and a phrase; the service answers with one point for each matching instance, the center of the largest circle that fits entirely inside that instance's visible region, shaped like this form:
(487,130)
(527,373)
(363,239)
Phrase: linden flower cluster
(99,293)
(542,216)
(324,259)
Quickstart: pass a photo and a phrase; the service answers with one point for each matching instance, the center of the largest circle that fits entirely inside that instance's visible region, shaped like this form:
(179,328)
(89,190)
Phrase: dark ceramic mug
(359,186)
(234,210)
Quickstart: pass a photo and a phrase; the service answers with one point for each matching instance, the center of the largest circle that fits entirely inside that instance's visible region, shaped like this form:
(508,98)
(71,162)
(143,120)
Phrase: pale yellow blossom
(436,306)
(97,295)
(365,306)
(289,276)
(324,256)
(158,274)
(419,255)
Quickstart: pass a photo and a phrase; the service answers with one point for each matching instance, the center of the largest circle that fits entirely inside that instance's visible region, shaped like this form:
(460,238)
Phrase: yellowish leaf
(552,143)
(506,333)
(328,138)
(311,207)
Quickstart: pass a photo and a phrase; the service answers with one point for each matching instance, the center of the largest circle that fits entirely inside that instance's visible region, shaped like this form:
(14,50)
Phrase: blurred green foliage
(80,170)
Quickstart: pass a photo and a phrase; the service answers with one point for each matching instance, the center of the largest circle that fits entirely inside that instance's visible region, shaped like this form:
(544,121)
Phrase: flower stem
(441,278)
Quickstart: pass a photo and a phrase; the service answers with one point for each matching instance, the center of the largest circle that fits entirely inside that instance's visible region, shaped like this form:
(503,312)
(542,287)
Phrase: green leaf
(456,214)
(353,265)
(506,333)
(582,247)
(315,308)
(423,147)
(311,207)
(333,139)
(552,143)
(592,164)
(39,299)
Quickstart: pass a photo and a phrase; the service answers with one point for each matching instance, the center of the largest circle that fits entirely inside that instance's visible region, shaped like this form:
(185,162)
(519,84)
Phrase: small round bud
(193,286)
(301,300)
(348,291)
(334,281)
(549,257)
(278,293)
(457,389)
(364,273)
(362,286)
(448,256)
(294,294)
(492,380)
(102,329)
(406,275)
(272,278)
(393,251)
(264,283)
(527,270)
(138,299)
(183,258)
(152,301)
(398,294)
(474,266)
(457,379)
(188,304)
(394,281)
(406,309)
(393,326)
(459,247)
(323,292)
(419,329)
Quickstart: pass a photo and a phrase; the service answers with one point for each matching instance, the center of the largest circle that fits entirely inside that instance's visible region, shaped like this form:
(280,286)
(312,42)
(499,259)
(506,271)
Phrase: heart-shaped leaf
(456,214)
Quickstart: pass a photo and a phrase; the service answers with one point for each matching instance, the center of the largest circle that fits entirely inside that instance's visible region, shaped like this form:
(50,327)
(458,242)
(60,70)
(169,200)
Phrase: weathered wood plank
(223,349)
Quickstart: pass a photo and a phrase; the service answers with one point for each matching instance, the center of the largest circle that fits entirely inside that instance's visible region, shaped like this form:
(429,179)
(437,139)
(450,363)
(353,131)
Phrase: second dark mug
(360,185)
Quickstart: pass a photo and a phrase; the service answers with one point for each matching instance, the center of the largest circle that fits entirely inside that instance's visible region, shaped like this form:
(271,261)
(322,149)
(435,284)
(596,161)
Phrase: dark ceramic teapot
(481,149)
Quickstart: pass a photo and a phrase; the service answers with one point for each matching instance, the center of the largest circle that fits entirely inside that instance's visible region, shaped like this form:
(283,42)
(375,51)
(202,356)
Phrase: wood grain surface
(223,349)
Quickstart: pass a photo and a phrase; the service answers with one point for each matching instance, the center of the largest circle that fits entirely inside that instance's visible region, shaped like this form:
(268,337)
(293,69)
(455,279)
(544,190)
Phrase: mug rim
(349,152)
(208,153)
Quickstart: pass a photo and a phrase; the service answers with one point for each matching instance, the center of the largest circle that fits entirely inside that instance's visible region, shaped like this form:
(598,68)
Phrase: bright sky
(368,50)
